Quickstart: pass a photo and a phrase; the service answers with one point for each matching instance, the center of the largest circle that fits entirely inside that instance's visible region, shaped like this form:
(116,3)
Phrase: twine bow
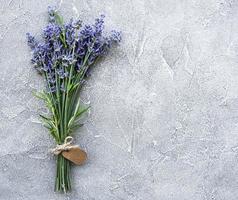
(67,145)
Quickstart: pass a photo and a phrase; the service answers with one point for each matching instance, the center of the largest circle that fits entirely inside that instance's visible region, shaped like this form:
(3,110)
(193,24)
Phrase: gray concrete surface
(164,117)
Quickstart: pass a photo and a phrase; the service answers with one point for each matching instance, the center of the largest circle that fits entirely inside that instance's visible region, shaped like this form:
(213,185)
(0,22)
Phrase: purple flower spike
(115,36)
(51,12)
(31,41)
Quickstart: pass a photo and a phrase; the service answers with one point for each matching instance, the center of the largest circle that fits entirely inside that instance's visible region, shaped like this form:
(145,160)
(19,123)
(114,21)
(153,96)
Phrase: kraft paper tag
(75,155)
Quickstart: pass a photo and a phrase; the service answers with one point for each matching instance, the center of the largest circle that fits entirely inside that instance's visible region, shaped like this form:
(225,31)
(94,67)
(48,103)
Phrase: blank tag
(75,155)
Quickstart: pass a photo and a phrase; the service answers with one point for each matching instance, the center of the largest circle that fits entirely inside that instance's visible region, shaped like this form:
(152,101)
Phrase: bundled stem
(63,183)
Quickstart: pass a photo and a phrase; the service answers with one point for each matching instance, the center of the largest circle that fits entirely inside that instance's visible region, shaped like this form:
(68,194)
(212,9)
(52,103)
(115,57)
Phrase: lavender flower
(64,56)
(51,13)
(52,32)
(31,41)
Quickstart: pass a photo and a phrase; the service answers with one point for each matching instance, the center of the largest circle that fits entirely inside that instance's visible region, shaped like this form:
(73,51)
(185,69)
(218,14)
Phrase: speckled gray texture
(164,118)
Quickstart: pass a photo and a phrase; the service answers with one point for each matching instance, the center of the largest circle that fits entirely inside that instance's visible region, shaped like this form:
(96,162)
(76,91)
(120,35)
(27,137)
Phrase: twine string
(67,145)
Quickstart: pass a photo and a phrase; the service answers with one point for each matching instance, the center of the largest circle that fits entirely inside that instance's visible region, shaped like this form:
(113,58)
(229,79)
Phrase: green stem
(63,183)
(54,110)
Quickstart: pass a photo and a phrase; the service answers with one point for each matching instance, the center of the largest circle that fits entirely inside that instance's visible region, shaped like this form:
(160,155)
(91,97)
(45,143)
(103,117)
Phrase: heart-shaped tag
(75,155)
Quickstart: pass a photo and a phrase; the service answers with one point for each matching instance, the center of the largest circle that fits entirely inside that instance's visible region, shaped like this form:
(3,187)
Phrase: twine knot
(67,145)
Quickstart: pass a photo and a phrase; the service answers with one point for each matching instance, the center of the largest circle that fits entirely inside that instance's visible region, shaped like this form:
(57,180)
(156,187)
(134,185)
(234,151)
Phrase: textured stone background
(164,117)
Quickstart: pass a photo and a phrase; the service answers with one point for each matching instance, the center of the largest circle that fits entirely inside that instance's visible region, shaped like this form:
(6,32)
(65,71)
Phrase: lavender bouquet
(63,57)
